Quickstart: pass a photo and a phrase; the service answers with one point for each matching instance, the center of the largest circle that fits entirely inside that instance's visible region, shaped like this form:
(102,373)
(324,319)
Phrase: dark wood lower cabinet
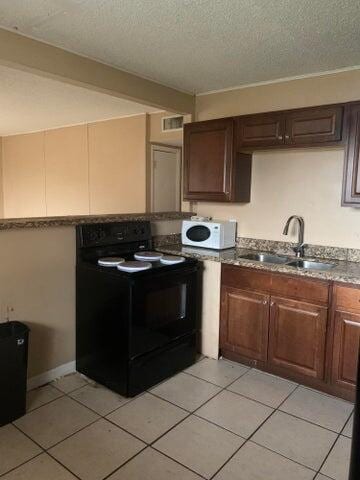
(345,350)
(303,329)
(245,322)
(297,337)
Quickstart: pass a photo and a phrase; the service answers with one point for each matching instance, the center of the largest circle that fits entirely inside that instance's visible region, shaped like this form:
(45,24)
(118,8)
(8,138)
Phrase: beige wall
(67,171)
(305,182)
(95,168)
(37,280)
(24,175)
(156,135)
(1,183)
(117,165)
(334,88)
(166,138)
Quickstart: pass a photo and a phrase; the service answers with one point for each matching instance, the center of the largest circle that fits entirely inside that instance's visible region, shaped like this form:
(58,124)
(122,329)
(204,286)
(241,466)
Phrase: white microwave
(215,234)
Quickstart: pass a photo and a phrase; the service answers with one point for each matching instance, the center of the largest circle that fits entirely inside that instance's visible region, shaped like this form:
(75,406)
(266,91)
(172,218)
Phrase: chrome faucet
(300,247)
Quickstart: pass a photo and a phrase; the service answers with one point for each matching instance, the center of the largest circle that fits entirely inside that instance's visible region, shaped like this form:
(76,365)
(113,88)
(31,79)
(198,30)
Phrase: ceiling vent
(172,124)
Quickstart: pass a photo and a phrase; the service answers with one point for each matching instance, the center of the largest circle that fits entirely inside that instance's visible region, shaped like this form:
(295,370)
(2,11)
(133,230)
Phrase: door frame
(169,149)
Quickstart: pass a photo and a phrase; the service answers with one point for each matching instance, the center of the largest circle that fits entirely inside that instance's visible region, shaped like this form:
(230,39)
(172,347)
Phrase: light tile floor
(216,420)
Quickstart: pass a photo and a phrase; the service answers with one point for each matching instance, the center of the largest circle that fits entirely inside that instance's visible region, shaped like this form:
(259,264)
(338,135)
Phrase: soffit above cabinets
(32,103)
(198,46)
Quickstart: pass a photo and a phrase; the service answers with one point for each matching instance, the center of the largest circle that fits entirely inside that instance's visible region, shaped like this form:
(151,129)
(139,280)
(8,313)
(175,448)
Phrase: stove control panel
(98,234)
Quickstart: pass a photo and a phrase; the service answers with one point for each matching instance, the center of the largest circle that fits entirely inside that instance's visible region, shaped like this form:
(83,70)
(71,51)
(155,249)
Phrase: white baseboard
(50,375)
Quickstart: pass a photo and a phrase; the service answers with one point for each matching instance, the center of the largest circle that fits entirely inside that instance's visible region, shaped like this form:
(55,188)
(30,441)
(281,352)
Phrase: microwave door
(198,233)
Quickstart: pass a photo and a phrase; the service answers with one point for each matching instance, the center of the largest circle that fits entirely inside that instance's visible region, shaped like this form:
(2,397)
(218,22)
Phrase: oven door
(164,308)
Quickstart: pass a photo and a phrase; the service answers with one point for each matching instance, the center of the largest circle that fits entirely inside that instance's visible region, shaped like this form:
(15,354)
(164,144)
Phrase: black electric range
(132,329)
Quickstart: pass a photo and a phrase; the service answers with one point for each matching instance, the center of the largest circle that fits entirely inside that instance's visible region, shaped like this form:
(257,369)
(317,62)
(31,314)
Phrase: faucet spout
(299,249)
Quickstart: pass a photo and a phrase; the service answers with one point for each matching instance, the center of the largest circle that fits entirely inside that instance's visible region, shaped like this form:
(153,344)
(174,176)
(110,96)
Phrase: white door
(165,178)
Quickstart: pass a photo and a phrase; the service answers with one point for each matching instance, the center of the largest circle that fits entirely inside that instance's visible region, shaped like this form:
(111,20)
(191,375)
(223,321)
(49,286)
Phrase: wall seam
(88,166)
(45,172)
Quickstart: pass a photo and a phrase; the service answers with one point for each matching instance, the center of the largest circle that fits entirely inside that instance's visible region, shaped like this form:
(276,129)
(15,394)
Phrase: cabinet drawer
(300,288)
(245,278)
(347,298)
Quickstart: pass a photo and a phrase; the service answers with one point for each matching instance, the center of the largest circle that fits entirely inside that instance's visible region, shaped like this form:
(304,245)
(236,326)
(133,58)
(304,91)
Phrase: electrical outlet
(7,312)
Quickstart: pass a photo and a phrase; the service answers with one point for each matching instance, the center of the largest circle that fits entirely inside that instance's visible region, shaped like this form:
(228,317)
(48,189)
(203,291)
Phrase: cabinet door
(263,130)
(297,337)
(208,159)
(351,181)
(314,126)
(345,349)
(244,323)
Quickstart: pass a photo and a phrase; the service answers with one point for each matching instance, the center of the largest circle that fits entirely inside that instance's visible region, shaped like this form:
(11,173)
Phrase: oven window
(165,306)
(198,233)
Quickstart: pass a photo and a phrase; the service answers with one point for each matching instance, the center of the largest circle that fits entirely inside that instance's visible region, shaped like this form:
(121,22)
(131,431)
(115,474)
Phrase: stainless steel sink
(266,258)
(311,265)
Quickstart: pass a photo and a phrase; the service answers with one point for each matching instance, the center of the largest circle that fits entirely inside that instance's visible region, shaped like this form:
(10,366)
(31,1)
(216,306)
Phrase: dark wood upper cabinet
(306,127)
(260,130)
(351,181)
(212,169)
(314,126)
(217,165)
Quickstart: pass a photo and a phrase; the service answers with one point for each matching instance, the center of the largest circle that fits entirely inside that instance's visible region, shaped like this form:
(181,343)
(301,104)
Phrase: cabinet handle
(265,302)
(280,137)
(272,304)
(287,137)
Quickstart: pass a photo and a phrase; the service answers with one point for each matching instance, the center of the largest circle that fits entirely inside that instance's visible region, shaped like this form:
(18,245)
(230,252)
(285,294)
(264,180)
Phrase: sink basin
(311,265)
(265,257)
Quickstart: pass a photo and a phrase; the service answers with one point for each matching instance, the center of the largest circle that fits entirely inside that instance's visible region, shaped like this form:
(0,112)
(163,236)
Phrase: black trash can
(13,370)
(355,448)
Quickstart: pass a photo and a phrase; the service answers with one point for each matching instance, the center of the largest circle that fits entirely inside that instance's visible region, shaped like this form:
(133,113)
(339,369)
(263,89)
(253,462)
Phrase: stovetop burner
(110,261)
(148,256)
(171,259)
(134,266)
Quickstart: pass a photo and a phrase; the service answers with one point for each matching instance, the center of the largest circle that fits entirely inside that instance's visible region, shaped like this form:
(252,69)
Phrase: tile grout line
(317,471)
(152,444)
(333,445)
(123,464)
(328,454)
(177,461)
(189,414)
(21,464)
(297,385)
(194,413)
(43,405)
(64,466)
(146,444)
(250,437)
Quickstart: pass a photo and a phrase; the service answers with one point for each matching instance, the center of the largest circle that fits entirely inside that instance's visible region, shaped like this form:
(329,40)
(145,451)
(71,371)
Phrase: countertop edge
(338,274)
(42,222)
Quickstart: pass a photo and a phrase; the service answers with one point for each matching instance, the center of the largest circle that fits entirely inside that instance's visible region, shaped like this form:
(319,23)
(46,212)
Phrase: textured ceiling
(29,103)
(198,45)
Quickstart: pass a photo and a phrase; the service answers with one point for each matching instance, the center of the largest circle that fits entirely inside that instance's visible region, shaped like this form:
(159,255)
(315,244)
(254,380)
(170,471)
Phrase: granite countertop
(344,271)
(41,222)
